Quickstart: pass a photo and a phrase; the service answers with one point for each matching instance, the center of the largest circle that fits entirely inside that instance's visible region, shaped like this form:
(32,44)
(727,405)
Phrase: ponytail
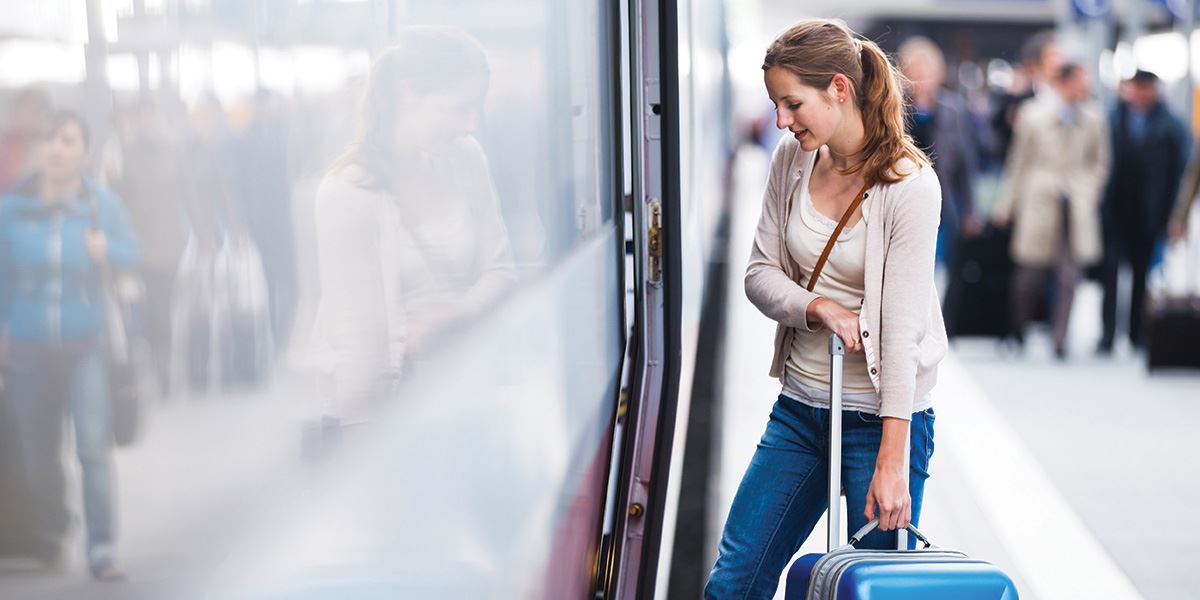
(881,102)
(815,51)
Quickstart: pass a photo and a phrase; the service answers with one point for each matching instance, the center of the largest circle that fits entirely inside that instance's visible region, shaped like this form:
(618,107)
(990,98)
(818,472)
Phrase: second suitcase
(1173,326)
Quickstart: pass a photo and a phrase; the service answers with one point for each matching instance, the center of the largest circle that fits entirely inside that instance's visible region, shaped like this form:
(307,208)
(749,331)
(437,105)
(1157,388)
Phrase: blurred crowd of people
(157,263)
(163,262)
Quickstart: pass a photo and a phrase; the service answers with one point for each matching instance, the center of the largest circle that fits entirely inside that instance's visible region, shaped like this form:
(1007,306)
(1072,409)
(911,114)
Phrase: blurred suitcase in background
(242,323)
(1172,318)
(1173,331)
(977,297)
(847,573)
(221,335)
(191,320)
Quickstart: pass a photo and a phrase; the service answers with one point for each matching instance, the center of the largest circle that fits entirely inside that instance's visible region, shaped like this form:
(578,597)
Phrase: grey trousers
(1029,283)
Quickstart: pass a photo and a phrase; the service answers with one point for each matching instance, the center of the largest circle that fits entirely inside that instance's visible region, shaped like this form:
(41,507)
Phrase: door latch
(654,243)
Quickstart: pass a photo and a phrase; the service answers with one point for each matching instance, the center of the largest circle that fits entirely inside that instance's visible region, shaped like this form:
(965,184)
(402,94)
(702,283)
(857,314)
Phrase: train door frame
(632,566)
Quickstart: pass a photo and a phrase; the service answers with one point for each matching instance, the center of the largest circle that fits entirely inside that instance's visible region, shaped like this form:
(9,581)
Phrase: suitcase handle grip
(869,527)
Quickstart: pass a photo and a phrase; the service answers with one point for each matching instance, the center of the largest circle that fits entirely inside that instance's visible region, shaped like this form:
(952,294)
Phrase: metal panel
(650,420)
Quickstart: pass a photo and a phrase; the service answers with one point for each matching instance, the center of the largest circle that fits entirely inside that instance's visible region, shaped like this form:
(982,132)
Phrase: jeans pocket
(927,425)
(867,417)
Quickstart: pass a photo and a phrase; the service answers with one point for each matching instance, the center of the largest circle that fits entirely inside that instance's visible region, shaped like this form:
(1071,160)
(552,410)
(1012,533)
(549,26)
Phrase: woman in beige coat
(1058,165)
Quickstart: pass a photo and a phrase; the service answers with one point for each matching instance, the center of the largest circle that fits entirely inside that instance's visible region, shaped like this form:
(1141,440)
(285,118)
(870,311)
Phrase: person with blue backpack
(59,234)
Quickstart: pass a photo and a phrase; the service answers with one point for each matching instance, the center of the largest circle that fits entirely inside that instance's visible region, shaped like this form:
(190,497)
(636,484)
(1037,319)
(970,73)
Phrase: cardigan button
(874,371)
(866,334)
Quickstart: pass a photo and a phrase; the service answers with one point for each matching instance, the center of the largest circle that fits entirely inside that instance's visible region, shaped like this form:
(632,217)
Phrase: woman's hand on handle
(838,320)
(889,493)
(889,486)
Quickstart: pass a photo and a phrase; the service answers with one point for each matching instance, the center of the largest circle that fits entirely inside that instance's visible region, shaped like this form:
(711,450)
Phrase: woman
(409,232)
(58,233)
(841,100)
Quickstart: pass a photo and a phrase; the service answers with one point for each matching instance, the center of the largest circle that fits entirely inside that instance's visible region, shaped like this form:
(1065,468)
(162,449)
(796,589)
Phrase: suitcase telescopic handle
(837,354)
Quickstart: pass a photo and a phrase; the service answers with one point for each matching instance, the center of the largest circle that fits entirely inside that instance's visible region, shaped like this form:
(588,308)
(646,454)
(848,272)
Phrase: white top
(806,377)
(396,269)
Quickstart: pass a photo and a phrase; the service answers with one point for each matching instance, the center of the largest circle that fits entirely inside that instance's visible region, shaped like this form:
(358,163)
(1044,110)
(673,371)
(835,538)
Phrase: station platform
(1073,477)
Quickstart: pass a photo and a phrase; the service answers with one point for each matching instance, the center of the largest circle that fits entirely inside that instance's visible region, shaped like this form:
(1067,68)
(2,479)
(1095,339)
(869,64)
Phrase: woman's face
(65,153)
(812,115)
(431,120)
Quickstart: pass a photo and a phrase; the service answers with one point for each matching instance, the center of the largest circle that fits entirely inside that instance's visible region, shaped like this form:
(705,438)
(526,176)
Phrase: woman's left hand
(97,245)
(889,492)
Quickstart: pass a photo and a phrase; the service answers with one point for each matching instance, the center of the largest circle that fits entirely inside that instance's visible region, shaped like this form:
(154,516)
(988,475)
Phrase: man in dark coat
(940,125)
(1150,149)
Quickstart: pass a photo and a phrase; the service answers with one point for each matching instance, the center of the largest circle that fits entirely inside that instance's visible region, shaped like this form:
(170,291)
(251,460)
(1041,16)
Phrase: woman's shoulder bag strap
(837,231)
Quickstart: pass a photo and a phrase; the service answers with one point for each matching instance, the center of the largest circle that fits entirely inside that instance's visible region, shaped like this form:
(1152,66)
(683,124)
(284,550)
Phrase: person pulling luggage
(1150,148)
(847,157)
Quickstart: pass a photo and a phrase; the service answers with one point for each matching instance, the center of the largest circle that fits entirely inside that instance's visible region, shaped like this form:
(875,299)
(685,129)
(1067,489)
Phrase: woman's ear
(839,88)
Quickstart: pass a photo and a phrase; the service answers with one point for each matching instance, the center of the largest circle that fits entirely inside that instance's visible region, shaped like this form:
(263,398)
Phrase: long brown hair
(815,51)
(425,59)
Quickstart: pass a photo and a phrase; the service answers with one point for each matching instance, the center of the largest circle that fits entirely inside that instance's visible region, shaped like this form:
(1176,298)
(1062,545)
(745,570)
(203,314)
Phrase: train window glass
(376,323)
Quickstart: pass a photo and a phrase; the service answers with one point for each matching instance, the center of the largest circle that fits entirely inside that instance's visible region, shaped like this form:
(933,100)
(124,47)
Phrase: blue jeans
(783,493)
(45,383)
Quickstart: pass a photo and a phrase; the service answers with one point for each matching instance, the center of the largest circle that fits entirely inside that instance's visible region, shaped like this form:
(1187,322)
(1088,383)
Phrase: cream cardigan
(380,292)
(901,322)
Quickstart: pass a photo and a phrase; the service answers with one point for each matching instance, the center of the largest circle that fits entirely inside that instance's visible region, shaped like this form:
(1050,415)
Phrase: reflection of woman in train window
(840,98)
(409,232)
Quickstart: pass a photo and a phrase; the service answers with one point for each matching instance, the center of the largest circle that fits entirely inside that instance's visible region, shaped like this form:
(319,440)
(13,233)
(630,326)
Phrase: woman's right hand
(840,321)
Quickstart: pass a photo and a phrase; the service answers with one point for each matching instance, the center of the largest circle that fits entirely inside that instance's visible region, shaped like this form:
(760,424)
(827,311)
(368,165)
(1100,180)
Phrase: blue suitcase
(847,573)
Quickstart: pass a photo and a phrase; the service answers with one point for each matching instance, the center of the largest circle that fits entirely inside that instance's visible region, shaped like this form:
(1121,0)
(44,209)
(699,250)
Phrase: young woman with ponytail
(849,160)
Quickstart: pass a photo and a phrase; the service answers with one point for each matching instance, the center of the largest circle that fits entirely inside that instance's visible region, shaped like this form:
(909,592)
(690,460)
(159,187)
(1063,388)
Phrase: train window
(370,271)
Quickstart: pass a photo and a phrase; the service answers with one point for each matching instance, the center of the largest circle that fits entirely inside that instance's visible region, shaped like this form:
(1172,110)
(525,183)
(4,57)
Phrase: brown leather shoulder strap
(837,231)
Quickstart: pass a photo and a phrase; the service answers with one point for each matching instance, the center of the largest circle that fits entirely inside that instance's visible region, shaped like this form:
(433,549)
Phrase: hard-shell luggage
(1172,328)
(1172,314)
(847,573)
(977,296)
